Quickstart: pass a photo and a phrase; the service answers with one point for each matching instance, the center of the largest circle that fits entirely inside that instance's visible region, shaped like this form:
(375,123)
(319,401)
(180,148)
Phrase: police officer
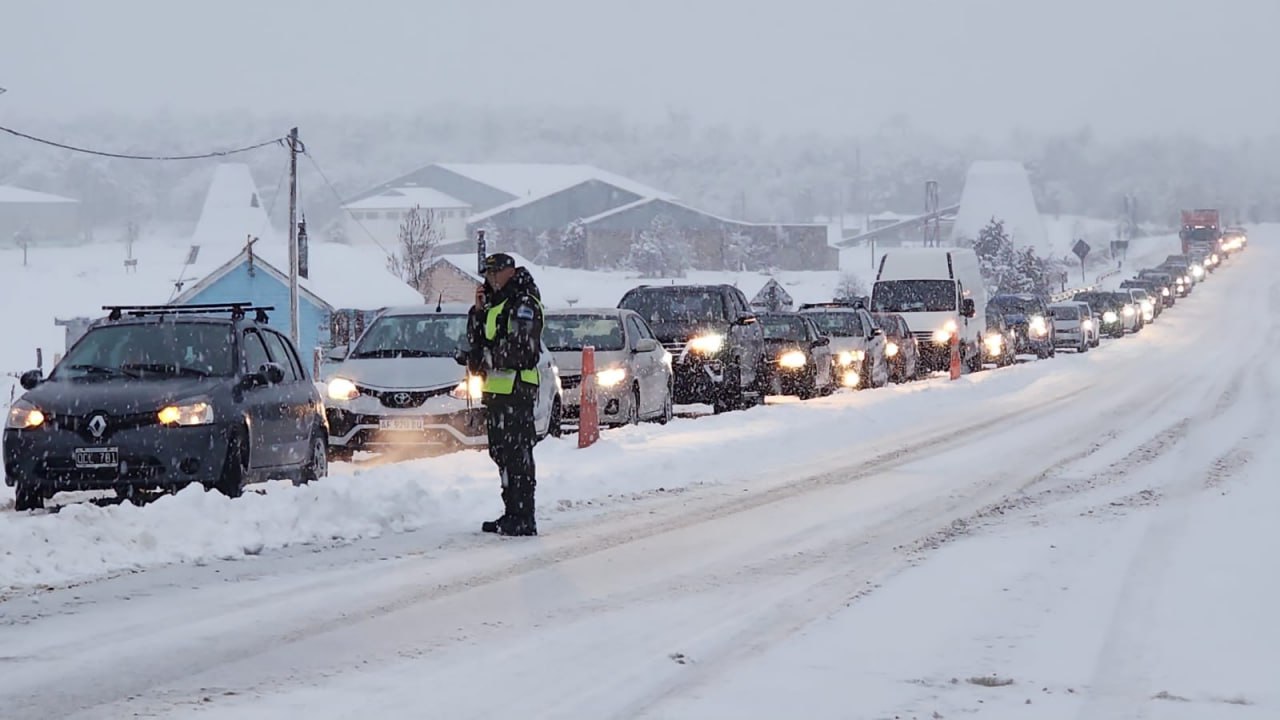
(504,331)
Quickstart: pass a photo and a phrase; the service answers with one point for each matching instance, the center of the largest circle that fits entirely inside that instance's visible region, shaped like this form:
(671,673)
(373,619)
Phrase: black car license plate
(100,457)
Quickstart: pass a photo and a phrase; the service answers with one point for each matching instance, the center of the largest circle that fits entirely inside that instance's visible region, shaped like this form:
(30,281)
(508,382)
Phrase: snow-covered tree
(850,287)
(419,238)
(996,257)
(661,250)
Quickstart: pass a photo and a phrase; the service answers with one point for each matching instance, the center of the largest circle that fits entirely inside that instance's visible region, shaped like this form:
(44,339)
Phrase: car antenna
(439,302)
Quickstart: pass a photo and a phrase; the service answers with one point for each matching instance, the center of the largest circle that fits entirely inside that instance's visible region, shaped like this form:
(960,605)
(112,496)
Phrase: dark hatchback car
(715,341)
(799,356)
(1108,308)
(156,398)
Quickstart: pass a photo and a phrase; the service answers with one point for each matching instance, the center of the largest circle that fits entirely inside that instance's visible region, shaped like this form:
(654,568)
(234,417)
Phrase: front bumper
(149,457)
(613,404)
(1070,338)
(698,381)
(353,430)
(1026,342)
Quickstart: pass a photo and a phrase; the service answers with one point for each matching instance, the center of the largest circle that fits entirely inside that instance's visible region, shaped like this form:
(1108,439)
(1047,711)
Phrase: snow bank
(1002,190)
(451,494)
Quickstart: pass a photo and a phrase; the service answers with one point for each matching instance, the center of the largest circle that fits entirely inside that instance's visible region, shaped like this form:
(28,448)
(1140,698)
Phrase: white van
(940,293)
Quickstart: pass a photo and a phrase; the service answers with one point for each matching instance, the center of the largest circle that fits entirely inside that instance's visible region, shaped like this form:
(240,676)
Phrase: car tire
(729,395)
(668,407)
(27,498)
(633,417)
(555,425)
(1084,347)
(231,482)
(317,466)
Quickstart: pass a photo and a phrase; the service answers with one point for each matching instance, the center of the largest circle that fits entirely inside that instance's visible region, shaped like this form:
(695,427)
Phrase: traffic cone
(588,411)
(955,356)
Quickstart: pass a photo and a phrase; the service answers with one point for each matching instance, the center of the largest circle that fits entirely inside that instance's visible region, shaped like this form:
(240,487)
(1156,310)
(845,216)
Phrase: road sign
(1081,249)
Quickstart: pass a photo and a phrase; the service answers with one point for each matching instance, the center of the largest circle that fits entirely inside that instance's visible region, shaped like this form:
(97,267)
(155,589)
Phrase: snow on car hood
(402,373)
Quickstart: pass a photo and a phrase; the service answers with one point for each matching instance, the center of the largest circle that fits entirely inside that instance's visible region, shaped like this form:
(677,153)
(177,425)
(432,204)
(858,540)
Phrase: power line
(338,196)
(126,156)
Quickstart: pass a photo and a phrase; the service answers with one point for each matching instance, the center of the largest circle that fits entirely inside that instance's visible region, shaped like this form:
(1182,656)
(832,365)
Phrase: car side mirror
(269,374)
(822,341)
(746,319)
(337,354)
(876,331)
(968,308)
(30,379)
(646,345)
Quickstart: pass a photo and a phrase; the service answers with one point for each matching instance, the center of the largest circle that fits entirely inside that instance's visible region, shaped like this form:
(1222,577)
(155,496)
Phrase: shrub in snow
(661,250)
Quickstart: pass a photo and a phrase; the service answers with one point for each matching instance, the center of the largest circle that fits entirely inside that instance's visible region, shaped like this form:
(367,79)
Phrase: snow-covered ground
(1087,537)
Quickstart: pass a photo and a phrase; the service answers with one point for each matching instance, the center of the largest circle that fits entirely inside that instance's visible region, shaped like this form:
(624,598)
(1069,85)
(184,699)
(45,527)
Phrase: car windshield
(1015,305)
(574,332)
(1065,312)
(1100,303)
(1141,294)
(887,323)
(1202,234)
(160,349)
(783,327)
(678,305)
(899,296)
(426,335)
(836,323)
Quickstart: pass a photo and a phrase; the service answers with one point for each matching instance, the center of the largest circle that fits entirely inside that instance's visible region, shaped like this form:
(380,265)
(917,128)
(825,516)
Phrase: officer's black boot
(508,501)
(519,521)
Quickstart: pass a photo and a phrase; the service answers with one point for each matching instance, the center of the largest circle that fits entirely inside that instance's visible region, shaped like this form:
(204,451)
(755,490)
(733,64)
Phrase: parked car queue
(153,398)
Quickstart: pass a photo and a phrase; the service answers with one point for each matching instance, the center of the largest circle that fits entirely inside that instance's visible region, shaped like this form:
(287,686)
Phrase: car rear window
(574,332)
(677,305)
(783,327)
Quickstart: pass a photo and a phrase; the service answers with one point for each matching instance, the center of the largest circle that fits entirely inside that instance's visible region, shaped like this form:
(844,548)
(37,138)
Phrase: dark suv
(156,398)
(716,343)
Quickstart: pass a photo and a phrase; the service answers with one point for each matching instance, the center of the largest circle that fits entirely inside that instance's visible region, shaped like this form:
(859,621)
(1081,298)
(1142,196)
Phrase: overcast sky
(952,66)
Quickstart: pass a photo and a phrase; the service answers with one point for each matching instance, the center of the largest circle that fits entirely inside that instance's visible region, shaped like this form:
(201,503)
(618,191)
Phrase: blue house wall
(263,288)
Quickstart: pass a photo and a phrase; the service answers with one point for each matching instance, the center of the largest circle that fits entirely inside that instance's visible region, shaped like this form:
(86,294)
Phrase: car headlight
(1086,324)
(1037,325)
(185,414)
(342,389)
(792,359)
(707,344)
(994,343)
(845,358)
(891,349)
(611,376)
(850,379)
(1197,271)
(1186,280)
(1110,317)
(470,389)
(1148,306)
(944,333)
(24,416)
(1129,311)
(1164,292)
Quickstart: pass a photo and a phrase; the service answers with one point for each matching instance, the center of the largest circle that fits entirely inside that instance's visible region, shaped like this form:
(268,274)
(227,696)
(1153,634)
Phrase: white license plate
(401,423)
(99,457)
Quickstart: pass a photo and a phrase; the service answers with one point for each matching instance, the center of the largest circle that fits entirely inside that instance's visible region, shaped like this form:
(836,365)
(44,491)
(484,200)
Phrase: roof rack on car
(237,310)
(855,303)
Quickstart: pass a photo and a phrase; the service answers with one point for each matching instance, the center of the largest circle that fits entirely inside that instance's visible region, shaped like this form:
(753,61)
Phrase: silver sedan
(632,370)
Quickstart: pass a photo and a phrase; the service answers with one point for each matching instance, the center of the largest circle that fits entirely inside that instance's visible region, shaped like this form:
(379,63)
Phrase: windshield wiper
(92,369)
(165,368)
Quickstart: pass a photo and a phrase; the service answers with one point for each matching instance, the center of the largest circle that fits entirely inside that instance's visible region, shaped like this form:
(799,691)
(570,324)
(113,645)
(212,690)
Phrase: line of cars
(159,397)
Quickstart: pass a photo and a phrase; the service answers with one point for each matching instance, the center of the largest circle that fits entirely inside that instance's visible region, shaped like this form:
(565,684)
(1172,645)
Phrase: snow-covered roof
(541,179)
(15,194)
(401,198)
(341,276)
(233,210)
(1000,189)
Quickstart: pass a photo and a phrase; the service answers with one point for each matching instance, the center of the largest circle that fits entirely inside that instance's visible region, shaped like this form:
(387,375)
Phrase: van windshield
(905,296)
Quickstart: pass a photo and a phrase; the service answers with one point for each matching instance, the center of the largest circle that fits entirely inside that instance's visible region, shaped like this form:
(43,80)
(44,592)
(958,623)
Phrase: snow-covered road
(848,556)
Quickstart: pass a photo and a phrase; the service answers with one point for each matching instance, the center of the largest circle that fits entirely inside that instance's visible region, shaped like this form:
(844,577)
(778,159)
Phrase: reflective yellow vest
(500,381)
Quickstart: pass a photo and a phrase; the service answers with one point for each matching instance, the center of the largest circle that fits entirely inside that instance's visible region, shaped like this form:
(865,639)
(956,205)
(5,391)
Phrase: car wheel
(1053,351)
(318,463)
(231,482)
(668,407)
(729,394)
(633,417)
(27,498)
(555,426)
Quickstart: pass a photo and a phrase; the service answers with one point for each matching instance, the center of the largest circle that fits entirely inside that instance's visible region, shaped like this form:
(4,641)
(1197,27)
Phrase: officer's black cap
(498,261)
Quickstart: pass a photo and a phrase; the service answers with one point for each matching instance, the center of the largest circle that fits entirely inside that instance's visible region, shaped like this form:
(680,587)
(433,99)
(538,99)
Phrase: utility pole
(294,148)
